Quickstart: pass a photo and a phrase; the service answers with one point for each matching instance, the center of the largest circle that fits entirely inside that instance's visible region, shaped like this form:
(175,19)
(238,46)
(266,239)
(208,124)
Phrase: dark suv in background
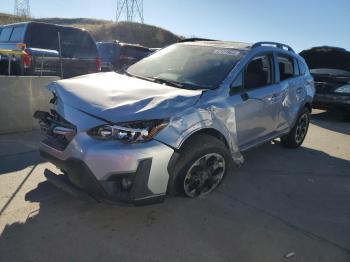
(118,56)
(330,67)
(36,50)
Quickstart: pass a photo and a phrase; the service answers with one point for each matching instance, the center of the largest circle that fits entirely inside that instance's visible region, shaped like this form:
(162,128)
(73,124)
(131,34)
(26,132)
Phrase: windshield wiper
(165,81)
(178,84)
(140,77)
(168,82)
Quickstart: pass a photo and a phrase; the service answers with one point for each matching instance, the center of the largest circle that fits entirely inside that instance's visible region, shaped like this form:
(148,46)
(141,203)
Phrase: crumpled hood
(118,98)
(327,57)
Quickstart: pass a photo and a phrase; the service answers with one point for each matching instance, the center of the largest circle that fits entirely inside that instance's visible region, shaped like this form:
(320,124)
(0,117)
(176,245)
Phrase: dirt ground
(280,202)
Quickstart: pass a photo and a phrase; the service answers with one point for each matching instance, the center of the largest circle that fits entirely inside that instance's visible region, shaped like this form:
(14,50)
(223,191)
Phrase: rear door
(257,111)
(293,88)
(44,36)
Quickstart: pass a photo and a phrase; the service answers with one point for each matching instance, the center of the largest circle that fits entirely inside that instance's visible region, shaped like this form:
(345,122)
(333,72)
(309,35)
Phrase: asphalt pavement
(281,205)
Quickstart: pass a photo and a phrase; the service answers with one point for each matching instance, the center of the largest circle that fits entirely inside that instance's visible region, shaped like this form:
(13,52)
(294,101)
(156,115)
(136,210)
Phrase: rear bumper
(328,101)
(99,168)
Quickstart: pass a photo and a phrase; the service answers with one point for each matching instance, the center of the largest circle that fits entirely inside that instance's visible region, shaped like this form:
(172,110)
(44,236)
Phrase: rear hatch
(330,67)
(11,44)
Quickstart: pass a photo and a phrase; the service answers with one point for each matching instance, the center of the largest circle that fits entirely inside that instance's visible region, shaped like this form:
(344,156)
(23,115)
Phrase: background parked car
(330,67)
(40,45)
(118,56)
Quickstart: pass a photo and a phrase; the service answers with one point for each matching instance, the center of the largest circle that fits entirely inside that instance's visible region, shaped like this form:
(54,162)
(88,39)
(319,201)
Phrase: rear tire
(296,136)
(200,168)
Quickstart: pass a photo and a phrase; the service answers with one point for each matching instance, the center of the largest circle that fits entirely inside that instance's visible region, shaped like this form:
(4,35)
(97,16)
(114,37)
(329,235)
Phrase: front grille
(58,132)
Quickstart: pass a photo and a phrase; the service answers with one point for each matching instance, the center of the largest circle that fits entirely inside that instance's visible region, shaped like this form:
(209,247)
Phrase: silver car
(176,120)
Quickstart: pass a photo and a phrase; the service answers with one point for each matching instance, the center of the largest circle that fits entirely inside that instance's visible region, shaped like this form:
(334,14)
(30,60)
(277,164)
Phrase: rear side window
(258,72)
(5,34)
(43,36)
(286,67)
(77,44)
(17,34)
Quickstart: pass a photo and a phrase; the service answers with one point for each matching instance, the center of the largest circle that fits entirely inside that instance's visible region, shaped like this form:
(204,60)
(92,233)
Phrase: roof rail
(195,40)
(278,45)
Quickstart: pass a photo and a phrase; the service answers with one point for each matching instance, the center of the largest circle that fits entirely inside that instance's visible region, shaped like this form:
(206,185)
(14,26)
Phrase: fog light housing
(126,183)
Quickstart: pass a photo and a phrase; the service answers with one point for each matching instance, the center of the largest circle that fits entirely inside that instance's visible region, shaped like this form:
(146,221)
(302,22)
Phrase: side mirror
(237,85)
(235,89)
(244,96)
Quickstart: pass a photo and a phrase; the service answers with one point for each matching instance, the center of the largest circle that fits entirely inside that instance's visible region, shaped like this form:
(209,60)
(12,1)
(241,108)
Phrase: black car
(36,49)
(330,67)
(118,56)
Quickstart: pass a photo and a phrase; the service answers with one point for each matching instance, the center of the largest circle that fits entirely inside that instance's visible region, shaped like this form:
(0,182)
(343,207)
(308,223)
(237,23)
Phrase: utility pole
(129,9)
(22,8)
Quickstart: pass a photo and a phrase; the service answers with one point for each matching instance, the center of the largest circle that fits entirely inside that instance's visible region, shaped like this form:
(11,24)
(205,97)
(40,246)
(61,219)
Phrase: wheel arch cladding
(308,106)
(207,131)
(173,167)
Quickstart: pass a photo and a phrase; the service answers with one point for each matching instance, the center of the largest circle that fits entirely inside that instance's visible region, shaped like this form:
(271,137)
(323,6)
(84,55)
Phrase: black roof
(42,23)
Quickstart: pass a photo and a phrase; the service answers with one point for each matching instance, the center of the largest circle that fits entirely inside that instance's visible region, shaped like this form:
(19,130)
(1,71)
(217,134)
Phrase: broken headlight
(131,132)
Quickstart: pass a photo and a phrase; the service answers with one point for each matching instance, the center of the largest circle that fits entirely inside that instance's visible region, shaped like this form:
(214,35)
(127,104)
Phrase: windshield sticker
(226,52)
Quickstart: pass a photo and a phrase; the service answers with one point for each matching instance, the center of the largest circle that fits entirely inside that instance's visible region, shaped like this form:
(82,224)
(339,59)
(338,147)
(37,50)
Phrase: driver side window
(258,72)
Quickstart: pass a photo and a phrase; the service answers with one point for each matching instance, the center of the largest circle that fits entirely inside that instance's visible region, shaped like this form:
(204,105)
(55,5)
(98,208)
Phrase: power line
(130,10)
(22,8)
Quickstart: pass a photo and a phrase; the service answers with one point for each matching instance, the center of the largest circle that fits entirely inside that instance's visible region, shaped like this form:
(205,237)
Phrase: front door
(257,111)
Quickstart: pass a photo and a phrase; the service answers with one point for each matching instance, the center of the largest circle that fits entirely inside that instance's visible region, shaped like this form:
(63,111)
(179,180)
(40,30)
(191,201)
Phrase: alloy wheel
(204,175)
(301,128)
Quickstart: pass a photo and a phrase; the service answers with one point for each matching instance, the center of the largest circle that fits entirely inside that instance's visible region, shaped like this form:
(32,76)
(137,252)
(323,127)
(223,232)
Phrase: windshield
(193,66)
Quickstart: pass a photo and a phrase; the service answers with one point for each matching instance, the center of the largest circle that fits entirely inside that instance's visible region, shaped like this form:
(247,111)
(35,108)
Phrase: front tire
(296,136)
(201,167)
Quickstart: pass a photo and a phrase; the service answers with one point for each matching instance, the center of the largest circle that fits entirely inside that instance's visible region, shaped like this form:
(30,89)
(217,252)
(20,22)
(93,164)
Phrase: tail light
(98,64)
(27,60)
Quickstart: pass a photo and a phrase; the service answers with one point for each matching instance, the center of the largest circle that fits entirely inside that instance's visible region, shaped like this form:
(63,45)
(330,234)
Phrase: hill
(8,19)
(104,30)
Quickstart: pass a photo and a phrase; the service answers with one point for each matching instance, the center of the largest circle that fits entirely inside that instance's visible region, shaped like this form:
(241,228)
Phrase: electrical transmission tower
(22,8)
(130,9)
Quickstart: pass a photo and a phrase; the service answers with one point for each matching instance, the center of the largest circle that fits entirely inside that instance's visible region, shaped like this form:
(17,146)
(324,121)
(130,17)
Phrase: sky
(301,24)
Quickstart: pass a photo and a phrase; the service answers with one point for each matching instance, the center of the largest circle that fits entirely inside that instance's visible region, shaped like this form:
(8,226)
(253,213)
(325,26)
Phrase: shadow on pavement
(334,120)
(18,151)
(17,162)
(280,200)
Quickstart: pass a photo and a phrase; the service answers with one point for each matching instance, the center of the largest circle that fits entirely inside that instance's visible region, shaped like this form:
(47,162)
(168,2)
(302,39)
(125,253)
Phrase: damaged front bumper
(105,170)
(78,181)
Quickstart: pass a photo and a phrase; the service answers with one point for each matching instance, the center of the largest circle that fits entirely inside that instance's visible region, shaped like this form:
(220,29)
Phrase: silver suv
(176,120)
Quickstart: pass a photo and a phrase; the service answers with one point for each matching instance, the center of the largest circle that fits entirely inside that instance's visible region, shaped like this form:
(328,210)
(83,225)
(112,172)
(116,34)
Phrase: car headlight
(131,132)
(343,89)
